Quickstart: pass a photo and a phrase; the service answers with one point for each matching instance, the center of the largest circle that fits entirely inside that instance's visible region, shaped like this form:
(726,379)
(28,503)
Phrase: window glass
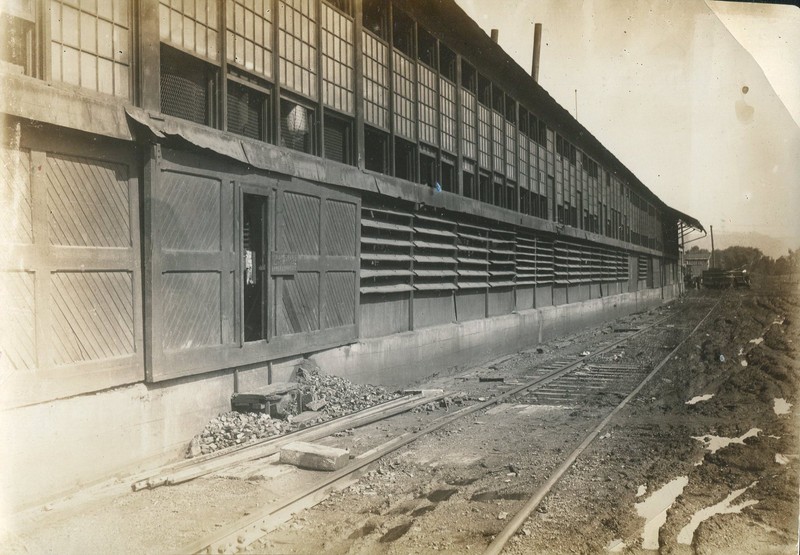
(90,44)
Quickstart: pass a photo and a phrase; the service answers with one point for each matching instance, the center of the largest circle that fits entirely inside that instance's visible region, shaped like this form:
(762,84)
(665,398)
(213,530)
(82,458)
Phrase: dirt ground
(702,460)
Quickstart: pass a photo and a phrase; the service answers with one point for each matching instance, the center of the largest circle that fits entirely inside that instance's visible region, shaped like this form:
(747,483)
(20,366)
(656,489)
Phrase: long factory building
(198,194)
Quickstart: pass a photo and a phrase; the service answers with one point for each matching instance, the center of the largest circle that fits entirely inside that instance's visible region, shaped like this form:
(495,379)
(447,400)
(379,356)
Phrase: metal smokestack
(537,48)
(495,35)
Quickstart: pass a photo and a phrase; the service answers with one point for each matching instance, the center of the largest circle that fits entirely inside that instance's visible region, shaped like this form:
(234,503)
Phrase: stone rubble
(332,395)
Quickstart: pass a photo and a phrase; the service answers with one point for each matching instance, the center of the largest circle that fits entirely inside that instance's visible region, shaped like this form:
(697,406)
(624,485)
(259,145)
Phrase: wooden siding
(69,274)
(194,266)
(425,250)
(326,57)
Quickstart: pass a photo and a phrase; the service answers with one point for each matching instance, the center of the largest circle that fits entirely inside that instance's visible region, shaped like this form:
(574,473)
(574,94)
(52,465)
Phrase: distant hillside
(771,246)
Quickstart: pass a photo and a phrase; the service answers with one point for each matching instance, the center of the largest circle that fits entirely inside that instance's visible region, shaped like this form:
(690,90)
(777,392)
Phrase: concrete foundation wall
(53,448)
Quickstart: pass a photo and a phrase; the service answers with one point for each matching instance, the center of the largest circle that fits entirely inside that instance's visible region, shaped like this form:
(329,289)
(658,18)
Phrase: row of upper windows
(91,47)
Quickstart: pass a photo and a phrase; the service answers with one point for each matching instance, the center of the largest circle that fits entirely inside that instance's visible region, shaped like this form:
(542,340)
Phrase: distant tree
(735,258)
(787,264)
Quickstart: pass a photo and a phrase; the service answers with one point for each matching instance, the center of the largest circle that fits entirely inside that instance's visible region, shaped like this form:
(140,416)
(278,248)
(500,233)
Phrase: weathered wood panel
(307,264)
(470,305)
(69,270)
(18,324)
(500,301)
(384,314)
(525,297)
(89,202)
(16,219)
(559,295)
(92,316)
(192,311)
(433,308)
(544,296)
(298,308)
(337,302)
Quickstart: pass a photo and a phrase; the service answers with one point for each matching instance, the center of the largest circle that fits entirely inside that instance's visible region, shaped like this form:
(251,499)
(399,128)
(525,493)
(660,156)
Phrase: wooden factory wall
(190,188)
(93,301)
(70,273)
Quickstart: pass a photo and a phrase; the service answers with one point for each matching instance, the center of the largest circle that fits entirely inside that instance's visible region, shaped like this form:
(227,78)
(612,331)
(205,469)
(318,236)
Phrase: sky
(700,99)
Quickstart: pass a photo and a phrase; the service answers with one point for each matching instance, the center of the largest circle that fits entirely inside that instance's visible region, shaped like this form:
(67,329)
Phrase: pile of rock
(337,396)
(325,397)
(234,428)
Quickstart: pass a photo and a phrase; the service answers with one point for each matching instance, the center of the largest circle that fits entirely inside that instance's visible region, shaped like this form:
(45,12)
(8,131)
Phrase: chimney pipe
(495,35)
(537,48)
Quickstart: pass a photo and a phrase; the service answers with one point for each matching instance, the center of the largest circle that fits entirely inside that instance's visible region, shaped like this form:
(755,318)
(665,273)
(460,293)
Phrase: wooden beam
(358,59)
(149,63)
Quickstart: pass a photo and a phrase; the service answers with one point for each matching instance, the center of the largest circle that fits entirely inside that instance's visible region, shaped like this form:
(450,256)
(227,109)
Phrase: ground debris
(341,396)
(332,396)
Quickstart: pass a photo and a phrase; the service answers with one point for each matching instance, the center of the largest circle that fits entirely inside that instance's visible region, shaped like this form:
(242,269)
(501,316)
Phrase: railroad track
(565,381)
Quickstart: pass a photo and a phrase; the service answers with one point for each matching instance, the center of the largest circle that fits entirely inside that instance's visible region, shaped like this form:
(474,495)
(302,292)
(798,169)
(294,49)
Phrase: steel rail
(248,529)
(500,540)
(189,470)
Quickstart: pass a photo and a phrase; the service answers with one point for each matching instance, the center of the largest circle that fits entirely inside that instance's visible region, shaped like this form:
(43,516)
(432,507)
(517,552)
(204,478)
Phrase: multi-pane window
(17,27)
(469,108)
(447,106)
(249,35)
(191,25)
(511,136)
(484,122)
(403,32)
(374,16)
(90,44)
(427,105)
(247,111)
(376,150)
(337,59)
(404,117)
(376,81)
(498,129)
(187,87)
(297,45)
(297,125)
(338,138)
(469,129)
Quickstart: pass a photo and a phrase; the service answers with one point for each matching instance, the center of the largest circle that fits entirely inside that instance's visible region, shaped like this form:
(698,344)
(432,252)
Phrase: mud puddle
(654,510)
(781,406)
(715,443)
(699,399)
(724,507)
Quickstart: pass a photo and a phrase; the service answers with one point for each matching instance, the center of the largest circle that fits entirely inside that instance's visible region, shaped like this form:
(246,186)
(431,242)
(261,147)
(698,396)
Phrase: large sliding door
(243,267)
